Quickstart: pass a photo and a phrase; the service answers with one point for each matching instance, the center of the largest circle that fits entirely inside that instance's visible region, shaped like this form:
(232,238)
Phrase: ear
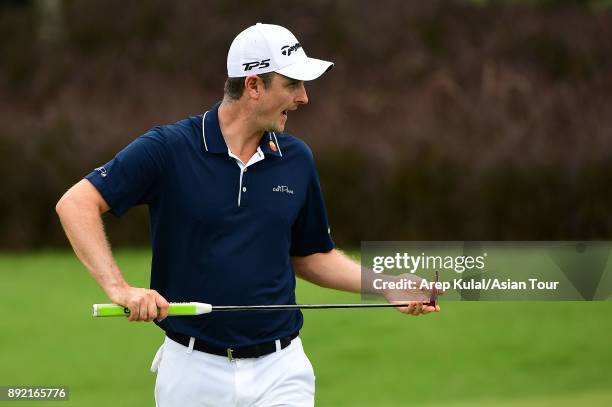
(253,86)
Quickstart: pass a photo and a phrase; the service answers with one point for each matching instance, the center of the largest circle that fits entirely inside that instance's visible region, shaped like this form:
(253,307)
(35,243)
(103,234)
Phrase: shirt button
(245,170)
(243,189)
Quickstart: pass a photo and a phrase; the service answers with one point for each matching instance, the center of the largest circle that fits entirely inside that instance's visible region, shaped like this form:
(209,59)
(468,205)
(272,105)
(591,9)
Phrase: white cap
(263,48)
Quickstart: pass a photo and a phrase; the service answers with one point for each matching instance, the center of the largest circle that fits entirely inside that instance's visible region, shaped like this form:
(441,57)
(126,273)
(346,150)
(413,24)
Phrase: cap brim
(307,70)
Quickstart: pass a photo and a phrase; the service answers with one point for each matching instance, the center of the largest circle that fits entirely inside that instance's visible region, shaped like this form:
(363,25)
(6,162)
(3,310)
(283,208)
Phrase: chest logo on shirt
(283,188)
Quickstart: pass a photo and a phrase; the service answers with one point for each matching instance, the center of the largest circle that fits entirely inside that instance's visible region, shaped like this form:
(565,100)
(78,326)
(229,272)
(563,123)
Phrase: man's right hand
(144,304)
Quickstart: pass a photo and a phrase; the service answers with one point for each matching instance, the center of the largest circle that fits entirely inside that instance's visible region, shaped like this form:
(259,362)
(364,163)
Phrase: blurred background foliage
(445,120)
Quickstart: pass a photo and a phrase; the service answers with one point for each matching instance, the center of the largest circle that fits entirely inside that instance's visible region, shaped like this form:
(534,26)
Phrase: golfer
(236,212)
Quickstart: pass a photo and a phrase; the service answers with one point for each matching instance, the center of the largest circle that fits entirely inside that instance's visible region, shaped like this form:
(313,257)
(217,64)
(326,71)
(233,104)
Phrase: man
(236,212)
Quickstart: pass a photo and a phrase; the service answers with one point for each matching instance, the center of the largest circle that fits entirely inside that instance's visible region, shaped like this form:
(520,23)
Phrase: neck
(240,133)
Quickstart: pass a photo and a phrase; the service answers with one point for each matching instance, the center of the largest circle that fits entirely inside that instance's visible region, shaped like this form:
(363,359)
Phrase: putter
(199,308)
(433,298)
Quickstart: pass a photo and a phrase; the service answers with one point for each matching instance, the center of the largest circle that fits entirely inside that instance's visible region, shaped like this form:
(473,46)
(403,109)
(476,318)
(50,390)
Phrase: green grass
(496,354)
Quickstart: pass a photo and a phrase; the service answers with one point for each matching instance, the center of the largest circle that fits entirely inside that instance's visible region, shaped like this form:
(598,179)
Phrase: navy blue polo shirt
(222,234)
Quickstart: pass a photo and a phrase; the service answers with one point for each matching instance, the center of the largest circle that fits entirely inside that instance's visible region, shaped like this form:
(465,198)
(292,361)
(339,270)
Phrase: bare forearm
(333,269)
(84,228)
(336,270)
(80,211)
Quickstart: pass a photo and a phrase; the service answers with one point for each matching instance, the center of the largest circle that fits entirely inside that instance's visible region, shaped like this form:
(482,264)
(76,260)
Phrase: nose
(302,97)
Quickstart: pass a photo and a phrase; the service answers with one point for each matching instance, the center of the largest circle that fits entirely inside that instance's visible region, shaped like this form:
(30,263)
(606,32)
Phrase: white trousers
(190,378)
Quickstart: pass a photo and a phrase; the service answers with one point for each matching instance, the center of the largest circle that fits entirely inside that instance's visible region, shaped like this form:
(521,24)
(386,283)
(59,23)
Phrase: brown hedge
(441,120)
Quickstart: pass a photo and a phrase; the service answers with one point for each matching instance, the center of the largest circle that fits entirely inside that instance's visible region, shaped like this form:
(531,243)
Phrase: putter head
(433,299)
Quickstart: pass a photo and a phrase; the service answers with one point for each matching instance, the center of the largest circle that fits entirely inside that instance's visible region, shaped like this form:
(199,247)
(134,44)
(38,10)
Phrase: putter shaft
(296,306)
(198,308)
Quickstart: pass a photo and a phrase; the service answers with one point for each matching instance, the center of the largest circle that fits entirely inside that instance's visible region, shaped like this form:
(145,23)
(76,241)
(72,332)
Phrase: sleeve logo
(102,171)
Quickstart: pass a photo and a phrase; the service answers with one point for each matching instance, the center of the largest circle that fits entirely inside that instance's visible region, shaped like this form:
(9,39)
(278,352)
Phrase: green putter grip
(175,309)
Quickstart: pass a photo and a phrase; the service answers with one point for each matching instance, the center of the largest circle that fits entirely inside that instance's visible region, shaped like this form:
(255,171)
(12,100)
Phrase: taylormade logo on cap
(264,48)
(287,50)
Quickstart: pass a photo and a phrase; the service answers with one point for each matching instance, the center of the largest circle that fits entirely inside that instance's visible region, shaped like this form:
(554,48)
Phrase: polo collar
(215,143)
(269,144)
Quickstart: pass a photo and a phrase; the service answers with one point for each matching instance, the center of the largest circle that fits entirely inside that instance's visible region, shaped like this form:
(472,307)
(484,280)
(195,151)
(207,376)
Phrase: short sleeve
(134,176)
(310,232)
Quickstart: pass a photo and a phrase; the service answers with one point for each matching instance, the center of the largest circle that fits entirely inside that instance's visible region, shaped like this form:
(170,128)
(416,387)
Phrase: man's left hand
(412,300)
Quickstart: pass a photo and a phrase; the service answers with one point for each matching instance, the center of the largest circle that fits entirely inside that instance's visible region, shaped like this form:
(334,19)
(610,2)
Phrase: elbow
(305,268)
(61,205)
(300,273)
(82,198)
(69,203)
(300,266)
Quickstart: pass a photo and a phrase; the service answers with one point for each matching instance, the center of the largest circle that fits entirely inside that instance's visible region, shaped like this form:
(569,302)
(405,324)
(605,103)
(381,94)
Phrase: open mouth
(284,113)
